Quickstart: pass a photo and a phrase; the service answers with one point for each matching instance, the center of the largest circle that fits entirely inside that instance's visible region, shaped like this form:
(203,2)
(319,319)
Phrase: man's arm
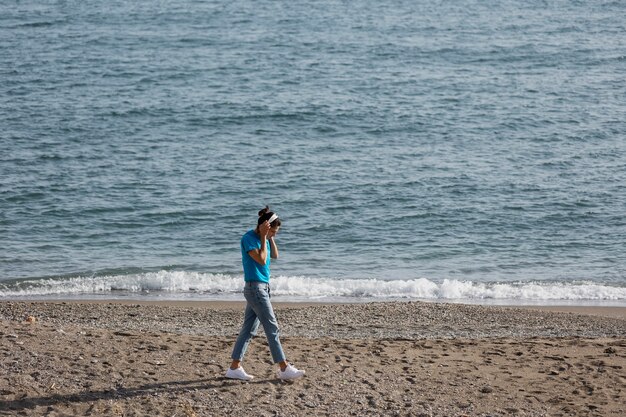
(260,255)
(274,250)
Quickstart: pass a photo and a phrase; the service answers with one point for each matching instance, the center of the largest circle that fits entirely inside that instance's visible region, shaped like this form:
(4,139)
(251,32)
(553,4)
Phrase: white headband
(274,217)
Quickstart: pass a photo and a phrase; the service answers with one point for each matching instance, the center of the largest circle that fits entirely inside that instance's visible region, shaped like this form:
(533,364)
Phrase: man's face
(273,231)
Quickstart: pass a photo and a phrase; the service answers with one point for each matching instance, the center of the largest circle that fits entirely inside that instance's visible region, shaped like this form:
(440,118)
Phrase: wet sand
(407,359)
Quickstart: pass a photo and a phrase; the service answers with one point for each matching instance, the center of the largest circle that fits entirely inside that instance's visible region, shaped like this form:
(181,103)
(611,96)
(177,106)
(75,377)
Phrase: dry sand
(417,359)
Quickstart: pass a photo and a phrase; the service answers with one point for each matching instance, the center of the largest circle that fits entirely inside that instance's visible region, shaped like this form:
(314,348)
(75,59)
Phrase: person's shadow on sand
(121,393)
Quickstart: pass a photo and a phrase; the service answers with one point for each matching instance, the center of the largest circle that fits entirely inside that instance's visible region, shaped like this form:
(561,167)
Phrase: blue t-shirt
(252,270)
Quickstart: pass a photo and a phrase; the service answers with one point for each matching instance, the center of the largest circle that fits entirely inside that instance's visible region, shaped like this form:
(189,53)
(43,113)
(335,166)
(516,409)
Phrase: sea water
(470,150)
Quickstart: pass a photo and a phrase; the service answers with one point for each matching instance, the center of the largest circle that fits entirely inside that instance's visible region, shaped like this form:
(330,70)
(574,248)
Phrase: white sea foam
(182,284)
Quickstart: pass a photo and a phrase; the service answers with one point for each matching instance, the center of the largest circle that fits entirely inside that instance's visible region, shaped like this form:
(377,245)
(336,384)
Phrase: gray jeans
(258,310)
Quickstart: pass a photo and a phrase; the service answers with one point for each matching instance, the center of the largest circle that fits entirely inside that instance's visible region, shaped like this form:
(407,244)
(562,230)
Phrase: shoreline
(409,319)
(389,358)
(608,311)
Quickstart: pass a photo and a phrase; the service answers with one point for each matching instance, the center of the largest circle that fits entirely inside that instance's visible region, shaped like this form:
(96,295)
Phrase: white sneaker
(238,373)
(290,372)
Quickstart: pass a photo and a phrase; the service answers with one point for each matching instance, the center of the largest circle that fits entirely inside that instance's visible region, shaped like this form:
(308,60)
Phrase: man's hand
(264,229)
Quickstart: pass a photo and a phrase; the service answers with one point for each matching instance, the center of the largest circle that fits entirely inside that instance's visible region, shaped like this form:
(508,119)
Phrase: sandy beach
(396,359)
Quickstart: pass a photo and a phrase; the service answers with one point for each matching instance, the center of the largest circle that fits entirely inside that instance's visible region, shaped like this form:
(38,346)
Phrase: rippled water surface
(451,141)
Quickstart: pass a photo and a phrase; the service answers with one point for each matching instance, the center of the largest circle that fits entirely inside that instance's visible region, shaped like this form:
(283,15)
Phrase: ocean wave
(39,24)
(175,284)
